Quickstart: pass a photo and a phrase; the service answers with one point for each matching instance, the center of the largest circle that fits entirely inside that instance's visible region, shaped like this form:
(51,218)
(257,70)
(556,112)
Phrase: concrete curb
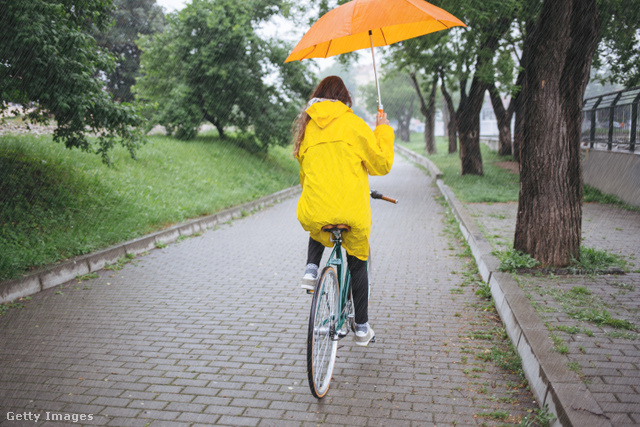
(551,382)
(58,274)
(421,160)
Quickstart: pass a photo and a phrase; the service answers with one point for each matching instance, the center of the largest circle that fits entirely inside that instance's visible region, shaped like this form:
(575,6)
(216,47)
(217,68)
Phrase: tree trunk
(468,115)
(514,110)
(518,127)
(428,120)
(404,122)
(445,119)
(518,104)
(549,218)
(469,129)
(452,126)
(215,123)
(504,122)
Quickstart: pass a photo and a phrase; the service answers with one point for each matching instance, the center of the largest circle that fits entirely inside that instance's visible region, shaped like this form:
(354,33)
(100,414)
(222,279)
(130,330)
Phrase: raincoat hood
(324,111)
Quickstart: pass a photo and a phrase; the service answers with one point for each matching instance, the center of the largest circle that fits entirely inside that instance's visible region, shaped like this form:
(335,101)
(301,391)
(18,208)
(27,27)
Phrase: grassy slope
(58,203)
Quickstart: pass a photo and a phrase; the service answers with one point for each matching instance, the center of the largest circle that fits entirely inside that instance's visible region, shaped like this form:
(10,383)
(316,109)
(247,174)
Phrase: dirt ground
(511,166)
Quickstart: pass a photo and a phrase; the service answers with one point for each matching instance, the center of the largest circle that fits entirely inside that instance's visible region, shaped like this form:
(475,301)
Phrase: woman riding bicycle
(337,151)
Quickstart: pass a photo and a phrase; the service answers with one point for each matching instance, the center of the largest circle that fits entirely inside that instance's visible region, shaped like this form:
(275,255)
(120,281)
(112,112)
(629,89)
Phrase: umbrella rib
(442,23)
(326,55)
(383,37)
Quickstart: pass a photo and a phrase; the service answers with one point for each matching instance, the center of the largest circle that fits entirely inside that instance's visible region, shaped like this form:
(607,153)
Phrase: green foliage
(5,307)
(57,204)
(512,260)
(210,64)
(399,100)
(619,50)
(50,59)
(131,18)
(541,417)
(484,290)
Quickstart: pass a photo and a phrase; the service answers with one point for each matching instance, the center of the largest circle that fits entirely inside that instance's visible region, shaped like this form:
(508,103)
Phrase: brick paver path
(581,311)
(211,331)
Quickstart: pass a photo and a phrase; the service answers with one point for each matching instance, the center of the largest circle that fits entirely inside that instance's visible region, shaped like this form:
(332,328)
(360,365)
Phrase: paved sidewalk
(211,331)
(574,308)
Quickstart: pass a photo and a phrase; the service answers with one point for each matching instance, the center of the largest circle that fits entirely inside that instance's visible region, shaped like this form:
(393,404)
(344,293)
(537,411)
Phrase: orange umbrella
(360,24)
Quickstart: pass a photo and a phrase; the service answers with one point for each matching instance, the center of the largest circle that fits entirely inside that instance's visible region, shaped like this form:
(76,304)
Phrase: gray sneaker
(364,334)
(310,278)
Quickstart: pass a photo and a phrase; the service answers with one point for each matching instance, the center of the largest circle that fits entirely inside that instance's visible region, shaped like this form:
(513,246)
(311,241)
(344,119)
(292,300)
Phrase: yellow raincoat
(337,154)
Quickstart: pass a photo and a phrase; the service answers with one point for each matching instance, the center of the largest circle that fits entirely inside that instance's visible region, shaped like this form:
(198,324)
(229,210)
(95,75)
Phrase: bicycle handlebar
(377,195)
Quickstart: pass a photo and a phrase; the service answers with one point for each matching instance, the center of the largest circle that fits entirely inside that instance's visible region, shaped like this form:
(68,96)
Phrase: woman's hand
(381,119)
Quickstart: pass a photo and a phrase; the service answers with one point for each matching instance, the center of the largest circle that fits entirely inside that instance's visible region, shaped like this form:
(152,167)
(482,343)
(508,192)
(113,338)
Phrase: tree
(488,22)
(451,122)
(465,55)
(131,18)
(49,58)
(210,64)
(619,49)
(425,59)
(557,66)
(512,49)
(503,118)
(398,100)
(428,110)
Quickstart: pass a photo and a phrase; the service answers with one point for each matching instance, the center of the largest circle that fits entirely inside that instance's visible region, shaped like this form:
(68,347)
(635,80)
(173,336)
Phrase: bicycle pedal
(310,292)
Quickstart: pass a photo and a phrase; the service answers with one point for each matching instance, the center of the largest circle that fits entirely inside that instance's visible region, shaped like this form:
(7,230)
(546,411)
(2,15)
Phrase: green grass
(594,260)
(511,260)
(581,304)
(496,186)
(593,195)
(58,203)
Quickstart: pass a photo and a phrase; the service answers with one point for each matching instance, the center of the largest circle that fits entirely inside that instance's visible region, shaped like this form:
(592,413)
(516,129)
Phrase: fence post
(634,124)
(611,110)
(592,131)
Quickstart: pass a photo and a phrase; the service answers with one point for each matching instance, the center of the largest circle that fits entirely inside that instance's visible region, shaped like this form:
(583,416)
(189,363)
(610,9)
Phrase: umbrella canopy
(360,24)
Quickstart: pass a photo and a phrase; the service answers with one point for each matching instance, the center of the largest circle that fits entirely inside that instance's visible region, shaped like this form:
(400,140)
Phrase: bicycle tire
(321,345)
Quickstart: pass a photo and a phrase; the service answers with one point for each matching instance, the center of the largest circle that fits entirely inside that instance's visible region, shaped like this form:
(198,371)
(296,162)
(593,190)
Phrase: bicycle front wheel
(321,345)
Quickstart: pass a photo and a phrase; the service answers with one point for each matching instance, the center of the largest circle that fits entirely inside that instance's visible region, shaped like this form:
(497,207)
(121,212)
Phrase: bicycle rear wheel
(321,345)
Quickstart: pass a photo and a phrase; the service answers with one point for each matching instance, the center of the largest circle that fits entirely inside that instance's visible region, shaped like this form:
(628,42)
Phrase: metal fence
(611,121)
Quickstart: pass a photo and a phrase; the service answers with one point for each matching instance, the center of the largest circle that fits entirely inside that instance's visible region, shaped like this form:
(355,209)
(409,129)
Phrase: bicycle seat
(336,227)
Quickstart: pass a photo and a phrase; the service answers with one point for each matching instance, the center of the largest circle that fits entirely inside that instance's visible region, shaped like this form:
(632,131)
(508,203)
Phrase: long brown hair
(331,87)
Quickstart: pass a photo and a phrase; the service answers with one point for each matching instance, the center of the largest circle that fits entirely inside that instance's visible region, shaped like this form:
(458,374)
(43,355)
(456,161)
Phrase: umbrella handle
(375,73)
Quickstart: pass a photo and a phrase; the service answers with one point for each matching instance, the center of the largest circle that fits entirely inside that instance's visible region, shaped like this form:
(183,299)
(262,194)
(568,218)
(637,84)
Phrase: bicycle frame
(337,260)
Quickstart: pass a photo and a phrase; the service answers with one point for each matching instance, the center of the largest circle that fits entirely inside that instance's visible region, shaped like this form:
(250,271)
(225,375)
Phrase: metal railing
(611,121)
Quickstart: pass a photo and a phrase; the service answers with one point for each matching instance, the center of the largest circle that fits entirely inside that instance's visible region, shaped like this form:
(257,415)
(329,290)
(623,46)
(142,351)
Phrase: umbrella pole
(375,74)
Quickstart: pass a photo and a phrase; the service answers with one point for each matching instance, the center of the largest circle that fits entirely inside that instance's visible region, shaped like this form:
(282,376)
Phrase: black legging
(359,279)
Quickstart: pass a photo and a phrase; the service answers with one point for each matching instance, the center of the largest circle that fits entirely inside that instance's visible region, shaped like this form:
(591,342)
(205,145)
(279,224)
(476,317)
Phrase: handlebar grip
(377,195)
(389,199)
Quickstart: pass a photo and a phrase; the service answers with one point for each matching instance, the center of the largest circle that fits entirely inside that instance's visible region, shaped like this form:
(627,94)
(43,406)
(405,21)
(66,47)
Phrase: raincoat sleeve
(377,149)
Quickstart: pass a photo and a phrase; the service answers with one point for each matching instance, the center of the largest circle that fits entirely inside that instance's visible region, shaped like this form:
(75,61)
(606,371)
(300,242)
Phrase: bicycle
(332,312)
